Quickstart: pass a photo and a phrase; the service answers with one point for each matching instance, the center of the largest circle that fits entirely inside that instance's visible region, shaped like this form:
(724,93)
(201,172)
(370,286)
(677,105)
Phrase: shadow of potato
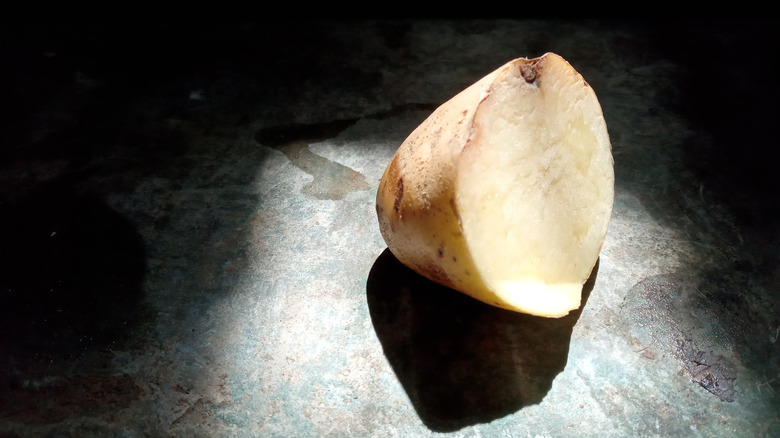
(462,362)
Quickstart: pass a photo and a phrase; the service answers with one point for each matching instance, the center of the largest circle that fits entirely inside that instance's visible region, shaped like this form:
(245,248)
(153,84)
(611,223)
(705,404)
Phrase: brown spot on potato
(440,251)
(399,194)
(463,116)
(529,70)
(455,212)
(435,273)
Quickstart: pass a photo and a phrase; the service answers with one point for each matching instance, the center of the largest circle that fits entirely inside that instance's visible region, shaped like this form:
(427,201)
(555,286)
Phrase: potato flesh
(537,194)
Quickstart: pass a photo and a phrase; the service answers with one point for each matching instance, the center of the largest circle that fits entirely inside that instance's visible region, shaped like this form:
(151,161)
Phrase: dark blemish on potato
(464,113)
(454,259)
(455,212)
(435,273)
(440,251)
(528,71)
(399,194)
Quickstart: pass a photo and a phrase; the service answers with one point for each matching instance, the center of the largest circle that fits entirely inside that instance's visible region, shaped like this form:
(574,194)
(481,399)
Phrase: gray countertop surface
(190,246)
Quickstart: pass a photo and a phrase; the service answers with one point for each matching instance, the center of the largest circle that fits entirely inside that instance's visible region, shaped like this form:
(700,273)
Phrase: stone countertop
(190,246)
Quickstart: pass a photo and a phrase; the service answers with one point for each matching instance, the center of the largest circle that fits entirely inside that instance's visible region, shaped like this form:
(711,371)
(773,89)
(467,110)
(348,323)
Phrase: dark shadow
(460,361)
(71,272)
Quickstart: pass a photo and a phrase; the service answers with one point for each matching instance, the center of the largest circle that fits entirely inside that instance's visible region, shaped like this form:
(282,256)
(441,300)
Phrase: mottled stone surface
(190,247)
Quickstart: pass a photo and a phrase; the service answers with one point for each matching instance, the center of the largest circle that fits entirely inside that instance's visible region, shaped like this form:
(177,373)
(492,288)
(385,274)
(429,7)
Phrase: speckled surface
(190,245)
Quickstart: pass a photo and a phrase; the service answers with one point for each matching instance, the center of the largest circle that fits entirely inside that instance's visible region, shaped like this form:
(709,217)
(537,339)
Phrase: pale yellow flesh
(535,195)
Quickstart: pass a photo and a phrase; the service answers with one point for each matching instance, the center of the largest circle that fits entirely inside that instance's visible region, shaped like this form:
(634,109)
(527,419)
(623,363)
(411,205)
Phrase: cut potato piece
(505,191)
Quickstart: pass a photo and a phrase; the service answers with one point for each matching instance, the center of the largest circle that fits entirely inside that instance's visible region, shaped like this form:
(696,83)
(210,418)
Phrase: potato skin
(418,216)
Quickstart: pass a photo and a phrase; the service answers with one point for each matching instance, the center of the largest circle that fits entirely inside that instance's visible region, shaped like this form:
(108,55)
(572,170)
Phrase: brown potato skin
(416,209)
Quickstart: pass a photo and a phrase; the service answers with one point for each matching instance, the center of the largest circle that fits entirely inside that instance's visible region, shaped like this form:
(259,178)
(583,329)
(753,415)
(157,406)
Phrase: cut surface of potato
(505,192)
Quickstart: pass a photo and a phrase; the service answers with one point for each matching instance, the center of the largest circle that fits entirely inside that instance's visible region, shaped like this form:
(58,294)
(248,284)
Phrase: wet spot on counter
(331,180)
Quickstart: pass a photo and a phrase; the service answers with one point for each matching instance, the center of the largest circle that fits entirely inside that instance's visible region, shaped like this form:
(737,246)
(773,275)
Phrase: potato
(505,191)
